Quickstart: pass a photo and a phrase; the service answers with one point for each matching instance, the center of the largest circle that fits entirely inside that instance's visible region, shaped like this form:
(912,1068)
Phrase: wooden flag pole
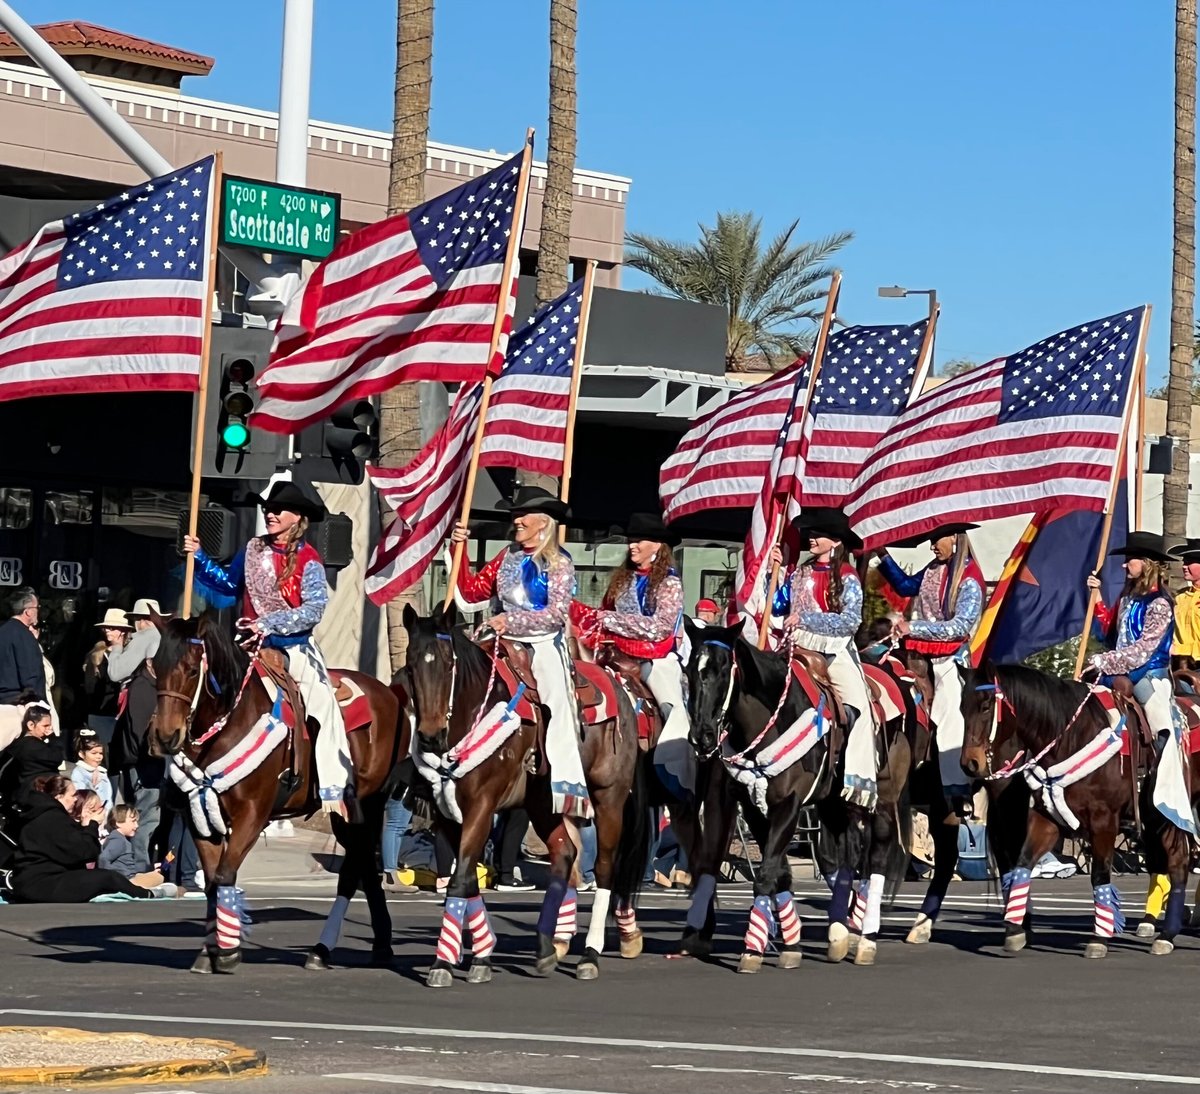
(924,356)
(1139,452)
(189,565)
(510,257)
(835,284)
(1135,385)
(585,310)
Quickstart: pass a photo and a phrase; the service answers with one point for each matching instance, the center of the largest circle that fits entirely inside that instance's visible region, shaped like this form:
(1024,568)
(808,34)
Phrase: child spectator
(118,852)
(89,772)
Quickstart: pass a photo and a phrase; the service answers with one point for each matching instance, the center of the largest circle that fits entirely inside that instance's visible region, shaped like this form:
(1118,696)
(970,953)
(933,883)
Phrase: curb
(235,1062)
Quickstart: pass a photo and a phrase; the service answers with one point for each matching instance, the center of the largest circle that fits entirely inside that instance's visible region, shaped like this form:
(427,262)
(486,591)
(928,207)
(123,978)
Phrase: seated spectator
(36,753)
(87,801)
(53,851)
(707,612)
(89,772)
(118,852)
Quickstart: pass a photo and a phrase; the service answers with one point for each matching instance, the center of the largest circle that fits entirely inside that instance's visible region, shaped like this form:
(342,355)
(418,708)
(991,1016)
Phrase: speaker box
(216,529)
(333,540)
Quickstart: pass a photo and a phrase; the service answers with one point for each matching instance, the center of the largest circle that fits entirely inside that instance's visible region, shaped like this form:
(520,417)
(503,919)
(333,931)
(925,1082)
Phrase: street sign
(274,218)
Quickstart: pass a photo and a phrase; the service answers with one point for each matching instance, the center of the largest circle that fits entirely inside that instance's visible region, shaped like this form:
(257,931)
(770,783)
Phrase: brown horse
(452,680)
(1052,721)
(204,679)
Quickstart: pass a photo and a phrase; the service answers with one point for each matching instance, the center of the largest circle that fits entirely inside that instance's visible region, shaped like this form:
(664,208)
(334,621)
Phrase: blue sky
(1016,157)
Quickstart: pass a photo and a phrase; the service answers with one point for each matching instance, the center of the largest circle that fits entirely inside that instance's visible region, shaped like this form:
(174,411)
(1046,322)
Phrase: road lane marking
(428,1081)
(576,1040)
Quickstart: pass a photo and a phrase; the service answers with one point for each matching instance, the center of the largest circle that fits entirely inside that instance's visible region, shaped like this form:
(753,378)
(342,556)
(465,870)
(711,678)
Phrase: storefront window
(16,508)
(69,507)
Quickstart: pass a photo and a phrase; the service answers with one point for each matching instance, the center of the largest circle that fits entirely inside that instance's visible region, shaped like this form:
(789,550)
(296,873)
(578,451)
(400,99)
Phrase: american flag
(1034,431)
(413,297)
(867,377)
(527,413)
(722,461)
(113,298)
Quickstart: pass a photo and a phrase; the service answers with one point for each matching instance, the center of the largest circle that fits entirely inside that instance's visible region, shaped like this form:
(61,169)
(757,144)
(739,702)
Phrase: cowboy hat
(829,521)
(146,609)
(288,497)
(533,499)
(649,526)
(1148,545)
(114,620)
(1188,551)
(956,528)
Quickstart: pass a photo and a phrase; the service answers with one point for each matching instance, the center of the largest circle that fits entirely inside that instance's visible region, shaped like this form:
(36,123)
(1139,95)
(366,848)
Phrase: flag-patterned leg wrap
(626,919)
(229,918)
(1017,903)
(483,938)
(789,921)
(761,926)
(858,905)
(450,941)
(568,916)
(1110,919)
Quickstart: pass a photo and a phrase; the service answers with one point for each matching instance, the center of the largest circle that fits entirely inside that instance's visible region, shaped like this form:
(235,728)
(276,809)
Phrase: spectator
(397,820)
(53,852)
(670,859)
(22,673)
(89,772)
(86,802)
(587,858)
(707,611)
(48,672)
(34,754)
(100,690)
(118,854)
(507,842)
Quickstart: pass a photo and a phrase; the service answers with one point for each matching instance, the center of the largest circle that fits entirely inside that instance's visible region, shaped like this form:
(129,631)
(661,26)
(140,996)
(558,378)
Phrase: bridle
(722,719)
(204,676)
(444,730)
(192,701)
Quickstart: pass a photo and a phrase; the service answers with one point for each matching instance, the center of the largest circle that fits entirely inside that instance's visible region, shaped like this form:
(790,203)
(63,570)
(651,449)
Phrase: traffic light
(337,448)
(236,402)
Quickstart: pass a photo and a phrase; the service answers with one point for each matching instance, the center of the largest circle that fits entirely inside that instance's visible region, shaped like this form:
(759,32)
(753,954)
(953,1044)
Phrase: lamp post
(895,291)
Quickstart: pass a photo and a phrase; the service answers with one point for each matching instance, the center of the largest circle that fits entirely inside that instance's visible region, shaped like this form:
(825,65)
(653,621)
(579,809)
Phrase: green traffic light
(235,435)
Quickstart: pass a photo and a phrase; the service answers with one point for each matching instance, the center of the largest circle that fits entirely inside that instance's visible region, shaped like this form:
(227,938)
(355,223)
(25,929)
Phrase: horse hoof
(750,962)
(1015,943)
(790,959)
(1095,950)
(855,939)
(439,978)
(839,943)
(562,947)
(1146,929)
(381,957)
(589,966)
(631,945)
(921,932)
(227,963)
(480,971)
(1160,947)
(866,952)
(318,959)
(203,965)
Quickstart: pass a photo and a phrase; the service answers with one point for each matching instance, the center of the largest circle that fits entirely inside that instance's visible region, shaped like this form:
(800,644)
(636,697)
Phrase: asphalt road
(955,1015)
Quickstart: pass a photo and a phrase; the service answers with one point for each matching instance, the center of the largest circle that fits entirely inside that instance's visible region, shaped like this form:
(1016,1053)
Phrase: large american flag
(112,298)
(527,413)
(413,297)
(1033,431)
(867,378)
(723,460)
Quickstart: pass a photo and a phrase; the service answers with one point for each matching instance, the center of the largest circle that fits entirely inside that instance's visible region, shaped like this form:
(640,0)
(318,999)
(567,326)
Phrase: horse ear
(691,629)
(410,617)
(450,615)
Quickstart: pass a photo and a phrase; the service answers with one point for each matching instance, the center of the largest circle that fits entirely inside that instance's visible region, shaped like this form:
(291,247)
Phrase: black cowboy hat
(1148,545)
(648,526)
(827,520)
(1188,551)
(288,496)
(533,499)
(957,528)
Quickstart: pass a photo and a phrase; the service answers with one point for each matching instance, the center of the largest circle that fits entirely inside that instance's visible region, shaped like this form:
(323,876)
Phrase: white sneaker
(166,889)
(1046,866)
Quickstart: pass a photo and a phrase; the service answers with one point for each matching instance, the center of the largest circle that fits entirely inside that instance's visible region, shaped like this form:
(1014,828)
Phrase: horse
(211,700)
(453,682)
(1071,759)
(742,695)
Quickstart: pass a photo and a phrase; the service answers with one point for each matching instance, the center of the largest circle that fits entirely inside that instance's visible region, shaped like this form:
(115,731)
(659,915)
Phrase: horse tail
(896,864)
(1154,830)
(633,852)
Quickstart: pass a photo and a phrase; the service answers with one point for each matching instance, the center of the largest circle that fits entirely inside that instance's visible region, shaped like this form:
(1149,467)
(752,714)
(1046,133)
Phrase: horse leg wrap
(1156,895)
(332,930)
(626,919)
(556,893)
(1173,921)
(568,916)
(229,918)
(1110,919)
(839,904)
(210,924)
(789,921)
(858,905)
(595,932)
(932,904)
(450,941)
(702,896)
(483,938)
(874,905)
(1017,903)
(761,926)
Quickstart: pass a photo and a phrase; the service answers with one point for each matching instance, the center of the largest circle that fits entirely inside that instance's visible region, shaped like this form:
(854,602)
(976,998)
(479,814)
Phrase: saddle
(811,671)
(629,671)
(1135,716)
(272,665)
(590,692)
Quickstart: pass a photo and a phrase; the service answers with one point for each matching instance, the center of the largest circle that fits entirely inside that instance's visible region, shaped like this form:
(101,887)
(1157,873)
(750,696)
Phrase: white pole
(295,71)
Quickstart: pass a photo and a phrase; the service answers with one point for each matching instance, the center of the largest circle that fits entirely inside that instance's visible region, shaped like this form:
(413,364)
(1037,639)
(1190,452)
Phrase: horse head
(432,664)
(982,699)
(712,678)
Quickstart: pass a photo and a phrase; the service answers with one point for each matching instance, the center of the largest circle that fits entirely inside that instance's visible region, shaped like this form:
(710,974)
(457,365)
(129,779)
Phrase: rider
(530,584)
(280,579)
(1185,650)
(781,558)
(826,612)
(1140,632)
(642,612)
(949,602)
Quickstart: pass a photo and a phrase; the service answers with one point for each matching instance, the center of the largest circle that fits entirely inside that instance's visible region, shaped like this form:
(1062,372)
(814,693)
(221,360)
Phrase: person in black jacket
(33,755)
(53,851)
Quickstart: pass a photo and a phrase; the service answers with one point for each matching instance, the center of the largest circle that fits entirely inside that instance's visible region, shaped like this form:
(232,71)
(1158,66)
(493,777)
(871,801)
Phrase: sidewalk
(302,857)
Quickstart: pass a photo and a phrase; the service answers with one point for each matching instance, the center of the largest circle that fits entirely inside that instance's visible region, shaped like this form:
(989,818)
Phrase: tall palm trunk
(1183,272)
(554,247)
(400,408)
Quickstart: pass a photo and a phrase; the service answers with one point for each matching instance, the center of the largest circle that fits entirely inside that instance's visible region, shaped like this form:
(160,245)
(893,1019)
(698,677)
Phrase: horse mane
(1046,701)
(762,670)
(226,660)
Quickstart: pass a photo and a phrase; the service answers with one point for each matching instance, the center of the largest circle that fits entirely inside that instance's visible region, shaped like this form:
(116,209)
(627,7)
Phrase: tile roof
(74,36)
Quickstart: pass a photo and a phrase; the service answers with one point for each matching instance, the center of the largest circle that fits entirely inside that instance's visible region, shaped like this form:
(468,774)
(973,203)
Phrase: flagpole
(189,565)
(1139,448)
(510,257)
(585,311)
(1135,384)
(835,283)
(924,357)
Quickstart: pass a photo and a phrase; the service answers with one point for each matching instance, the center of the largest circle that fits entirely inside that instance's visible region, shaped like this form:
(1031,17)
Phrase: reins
(204,676)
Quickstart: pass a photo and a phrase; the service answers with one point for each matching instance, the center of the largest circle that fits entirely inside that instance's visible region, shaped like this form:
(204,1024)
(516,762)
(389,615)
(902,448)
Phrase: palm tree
(770,293)
(400,408)
(554,245)
(1183,273)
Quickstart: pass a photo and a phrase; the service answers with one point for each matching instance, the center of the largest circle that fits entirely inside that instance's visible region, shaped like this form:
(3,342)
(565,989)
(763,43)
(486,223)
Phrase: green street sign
(278,218)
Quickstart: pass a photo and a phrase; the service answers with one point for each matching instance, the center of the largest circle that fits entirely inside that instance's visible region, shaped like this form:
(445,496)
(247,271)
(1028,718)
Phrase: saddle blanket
(352,700)
(889,702)
(603,711)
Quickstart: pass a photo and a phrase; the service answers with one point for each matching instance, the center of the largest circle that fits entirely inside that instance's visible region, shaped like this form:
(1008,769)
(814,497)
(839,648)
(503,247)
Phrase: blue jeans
(670,855)
(398,845)
(587,857)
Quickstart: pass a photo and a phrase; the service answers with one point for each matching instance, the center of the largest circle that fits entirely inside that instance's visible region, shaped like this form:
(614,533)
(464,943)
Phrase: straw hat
(114,620)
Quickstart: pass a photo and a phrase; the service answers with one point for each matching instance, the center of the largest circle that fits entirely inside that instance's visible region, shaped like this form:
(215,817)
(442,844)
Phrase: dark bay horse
(1061,729)
(204,678)
(452,681)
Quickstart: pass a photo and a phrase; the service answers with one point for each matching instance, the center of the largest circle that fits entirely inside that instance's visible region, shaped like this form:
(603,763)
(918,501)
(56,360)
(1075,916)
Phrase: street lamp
(895,291)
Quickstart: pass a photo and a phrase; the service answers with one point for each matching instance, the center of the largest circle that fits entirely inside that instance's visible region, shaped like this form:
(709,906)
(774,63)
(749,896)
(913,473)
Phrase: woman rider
(530,584)
(281,582)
